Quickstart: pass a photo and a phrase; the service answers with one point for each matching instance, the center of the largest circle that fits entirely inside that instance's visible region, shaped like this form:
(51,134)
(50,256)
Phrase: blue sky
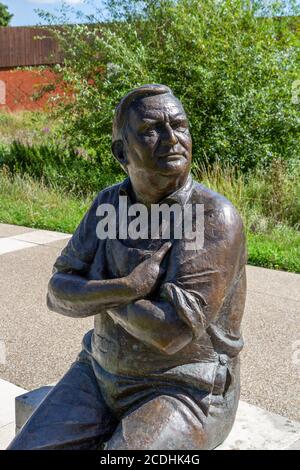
(24,14)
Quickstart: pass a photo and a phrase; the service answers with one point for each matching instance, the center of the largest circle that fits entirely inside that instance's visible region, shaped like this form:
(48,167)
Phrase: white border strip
(29,240)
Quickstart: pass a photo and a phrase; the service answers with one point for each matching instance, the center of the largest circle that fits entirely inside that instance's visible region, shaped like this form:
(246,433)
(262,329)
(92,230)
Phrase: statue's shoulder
(217,207)
(110,195)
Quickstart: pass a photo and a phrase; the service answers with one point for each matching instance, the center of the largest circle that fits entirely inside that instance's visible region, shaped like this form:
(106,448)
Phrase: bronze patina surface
(160,369)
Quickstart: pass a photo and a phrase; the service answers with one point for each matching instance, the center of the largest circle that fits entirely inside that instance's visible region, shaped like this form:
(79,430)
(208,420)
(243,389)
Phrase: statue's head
(151,136)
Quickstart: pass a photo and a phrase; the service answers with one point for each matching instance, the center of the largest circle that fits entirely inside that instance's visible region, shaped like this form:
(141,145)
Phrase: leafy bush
(67,169)
(232,66)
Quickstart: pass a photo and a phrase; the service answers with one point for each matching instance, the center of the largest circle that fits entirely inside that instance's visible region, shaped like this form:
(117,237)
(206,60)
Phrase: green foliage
(24,201)
(5,16)
(32,144)
(278,249)
(70,169)
(266,198)
(269,202)
(271,244)
(25,126)
(232,68)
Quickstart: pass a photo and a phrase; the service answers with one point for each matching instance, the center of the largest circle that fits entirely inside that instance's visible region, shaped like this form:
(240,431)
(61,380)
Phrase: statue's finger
(159,255)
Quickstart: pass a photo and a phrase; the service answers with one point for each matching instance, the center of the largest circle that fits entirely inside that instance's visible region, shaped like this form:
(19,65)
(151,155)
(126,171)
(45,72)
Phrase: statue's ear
(118,151)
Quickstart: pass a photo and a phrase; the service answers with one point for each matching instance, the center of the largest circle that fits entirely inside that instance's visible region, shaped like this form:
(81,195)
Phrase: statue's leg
(72,416)
(168,422)
(164,423)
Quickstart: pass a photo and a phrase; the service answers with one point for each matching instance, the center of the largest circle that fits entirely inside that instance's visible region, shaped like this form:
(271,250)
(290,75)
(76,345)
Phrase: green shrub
(232,68)
(32,143)
(59,166)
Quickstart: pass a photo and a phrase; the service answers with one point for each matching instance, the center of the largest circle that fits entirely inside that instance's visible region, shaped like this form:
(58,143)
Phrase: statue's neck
(152,192)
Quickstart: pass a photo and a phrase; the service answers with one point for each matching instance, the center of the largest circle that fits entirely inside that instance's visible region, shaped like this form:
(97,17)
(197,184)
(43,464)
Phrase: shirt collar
(179,196)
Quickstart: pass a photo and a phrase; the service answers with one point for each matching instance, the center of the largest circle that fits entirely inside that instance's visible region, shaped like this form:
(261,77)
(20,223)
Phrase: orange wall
(25,89)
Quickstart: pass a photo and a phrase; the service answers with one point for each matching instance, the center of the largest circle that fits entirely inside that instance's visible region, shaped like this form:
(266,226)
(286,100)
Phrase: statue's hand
(146,275)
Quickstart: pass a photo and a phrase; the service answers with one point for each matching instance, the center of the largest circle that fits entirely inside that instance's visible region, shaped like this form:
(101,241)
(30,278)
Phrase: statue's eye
(148,130)
(180,126)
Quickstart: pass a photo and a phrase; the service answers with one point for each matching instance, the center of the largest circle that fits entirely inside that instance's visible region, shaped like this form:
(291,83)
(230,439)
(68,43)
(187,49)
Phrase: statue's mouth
(170,156)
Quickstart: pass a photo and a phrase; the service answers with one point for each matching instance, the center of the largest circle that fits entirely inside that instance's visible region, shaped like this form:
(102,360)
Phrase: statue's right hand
(145,276)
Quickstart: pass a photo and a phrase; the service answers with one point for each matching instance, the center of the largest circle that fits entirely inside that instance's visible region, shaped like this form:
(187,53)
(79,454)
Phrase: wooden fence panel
(26,46)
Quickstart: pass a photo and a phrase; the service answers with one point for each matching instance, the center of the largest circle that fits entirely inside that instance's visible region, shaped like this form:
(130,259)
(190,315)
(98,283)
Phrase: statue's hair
(122,109)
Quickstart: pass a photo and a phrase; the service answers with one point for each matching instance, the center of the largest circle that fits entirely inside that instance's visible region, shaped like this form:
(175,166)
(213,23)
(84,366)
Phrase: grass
(273,242)
(278,249)
(265,198)
(269,202)
(24,201)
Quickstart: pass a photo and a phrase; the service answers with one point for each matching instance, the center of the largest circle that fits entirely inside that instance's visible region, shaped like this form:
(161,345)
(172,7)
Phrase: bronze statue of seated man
(160,369)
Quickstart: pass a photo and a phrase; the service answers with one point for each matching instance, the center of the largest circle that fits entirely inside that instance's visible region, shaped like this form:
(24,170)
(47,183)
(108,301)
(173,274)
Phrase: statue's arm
(154,323)
(75,296)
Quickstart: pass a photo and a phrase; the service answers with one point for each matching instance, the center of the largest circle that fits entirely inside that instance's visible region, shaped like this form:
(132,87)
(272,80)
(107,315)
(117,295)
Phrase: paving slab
(60,244)
(8,245)
(30,239)
(7,230)
(273,283)
(40,237)
(8,392)
(7,433)
(258,429)
(270,360)
(295,445)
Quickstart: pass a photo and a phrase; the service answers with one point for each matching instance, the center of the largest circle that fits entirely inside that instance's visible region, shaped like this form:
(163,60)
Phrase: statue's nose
(168,135)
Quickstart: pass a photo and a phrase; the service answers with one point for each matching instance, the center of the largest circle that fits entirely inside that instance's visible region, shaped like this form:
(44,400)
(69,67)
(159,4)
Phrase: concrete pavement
(41,345)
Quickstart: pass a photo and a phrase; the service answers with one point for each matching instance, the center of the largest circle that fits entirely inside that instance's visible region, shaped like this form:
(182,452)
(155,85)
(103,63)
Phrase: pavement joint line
(48,244)
(40,236)
(40,244)
(8,245)
(11,422)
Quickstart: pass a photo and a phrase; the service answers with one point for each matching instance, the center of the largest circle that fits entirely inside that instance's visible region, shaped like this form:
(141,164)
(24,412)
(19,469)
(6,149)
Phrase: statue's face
(158,138)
